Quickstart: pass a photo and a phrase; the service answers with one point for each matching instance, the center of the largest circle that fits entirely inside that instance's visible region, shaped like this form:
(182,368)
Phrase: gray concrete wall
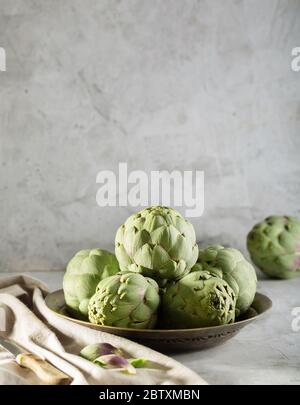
(169,84)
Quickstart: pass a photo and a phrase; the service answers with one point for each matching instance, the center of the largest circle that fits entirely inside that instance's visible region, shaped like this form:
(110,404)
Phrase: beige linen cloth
(39,330)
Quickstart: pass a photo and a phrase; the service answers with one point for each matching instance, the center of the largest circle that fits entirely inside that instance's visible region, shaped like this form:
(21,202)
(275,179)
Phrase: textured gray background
(169,84)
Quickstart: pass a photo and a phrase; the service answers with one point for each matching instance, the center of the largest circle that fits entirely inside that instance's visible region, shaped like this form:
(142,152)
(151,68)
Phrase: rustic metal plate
(171,339)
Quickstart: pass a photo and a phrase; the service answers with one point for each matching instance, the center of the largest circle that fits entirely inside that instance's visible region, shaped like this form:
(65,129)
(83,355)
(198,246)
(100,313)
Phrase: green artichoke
(158,243)
(127,300)
(83,273)
(197,300)
(274,246)
(230,265)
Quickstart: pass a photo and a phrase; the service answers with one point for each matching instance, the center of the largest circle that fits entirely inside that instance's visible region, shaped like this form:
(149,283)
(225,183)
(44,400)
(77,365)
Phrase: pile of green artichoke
(159,278)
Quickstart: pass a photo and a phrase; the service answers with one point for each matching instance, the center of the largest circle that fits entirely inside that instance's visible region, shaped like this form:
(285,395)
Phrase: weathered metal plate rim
(261,304)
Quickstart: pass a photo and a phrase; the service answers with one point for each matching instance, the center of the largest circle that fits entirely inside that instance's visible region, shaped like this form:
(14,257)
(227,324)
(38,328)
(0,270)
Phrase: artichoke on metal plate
(199,299)
(274,246)
(230,265)
(158,243)
(83,273)
(127,300)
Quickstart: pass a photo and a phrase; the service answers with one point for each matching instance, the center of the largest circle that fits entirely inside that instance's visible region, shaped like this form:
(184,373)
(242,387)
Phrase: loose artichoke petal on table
(108,356)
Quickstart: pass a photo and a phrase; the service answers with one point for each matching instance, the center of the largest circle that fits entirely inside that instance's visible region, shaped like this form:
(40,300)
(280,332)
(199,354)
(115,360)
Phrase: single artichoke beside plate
(274,246)
(83,273)
(158,243)
(199,299)
(230,265)
(127,300)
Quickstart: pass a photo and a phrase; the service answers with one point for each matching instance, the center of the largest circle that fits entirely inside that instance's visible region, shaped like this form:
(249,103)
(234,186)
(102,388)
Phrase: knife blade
(10,347)
(49,374)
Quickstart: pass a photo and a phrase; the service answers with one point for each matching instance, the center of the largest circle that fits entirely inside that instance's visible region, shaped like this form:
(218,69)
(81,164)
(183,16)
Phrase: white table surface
(264,352)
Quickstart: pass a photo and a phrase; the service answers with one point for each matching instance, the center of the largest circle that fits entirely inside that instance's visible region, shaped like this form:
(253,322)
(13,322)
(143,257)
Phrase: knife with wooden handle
(45,371)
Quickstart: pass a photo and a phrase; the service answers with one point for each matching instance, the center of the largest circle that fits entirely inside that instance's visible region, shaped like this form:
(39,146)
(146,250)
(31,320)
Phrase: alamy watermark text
(295,64)
(296,319)
(140,189)
(2,60)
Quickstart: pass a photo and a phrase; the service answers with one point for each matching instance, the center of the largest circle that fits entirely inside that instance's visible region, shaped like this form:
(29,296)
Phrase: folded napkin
(26,320)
